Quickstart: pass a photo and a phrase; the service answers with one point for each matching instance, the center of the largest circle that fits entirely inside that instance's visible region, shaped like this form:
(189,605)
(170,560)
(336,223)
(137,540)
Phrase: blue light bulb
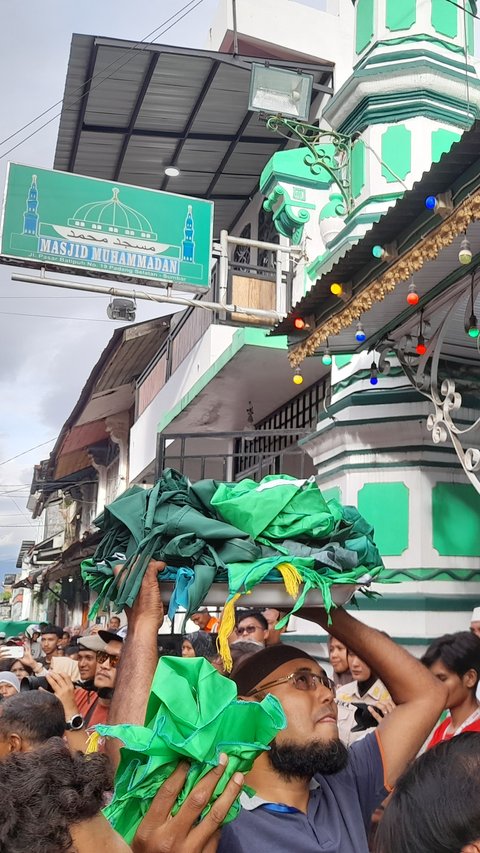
(374,380)
(431,202)
(360,335)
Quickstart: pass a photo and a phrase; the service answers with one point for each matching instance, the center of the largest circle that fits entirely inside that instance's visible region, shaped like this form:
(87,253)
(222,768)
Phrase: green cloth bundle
(193,714)
(245,533)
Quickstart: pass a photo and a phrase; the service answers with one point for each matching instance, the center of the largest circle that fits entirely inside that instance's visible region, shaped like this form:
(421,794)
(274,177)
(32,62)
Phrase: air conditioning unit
(121,309)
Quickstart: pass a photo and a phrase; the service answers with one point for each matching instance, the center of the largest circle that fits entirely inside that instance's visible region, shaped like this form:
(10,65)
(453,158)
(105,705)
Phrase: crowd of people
(380,753)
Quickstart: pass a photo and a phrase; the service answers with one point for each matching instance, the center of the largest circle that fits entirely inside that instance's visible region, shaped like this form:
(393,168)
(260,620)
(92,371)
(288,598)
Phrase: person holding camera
(368,692)
(72,697)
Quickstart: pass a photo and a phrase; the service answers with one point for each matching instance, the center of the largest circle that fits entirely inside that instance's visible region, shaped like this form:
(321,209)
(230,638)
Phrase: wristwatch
(75,723)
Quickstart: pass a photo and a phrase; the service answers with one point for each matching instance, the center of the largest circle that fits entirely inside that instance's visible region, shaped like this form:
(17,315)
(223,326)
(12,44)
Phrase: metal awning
(130,110)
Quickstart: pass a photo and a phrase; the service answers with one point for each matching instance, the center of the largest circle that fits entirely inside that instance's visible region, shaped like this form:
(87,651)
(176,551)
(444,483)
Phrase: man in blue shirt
(311,793)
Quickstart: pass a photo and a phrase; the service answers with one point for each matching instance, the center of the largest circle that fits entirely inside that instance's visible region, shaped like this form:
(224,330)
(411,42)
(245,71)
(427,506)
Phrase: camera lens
(34,682)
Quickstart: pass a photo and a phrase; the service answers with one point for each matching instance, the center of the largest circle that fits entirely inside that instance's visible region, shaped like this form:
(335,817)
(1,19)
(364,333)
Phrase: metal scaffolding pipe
(270,317)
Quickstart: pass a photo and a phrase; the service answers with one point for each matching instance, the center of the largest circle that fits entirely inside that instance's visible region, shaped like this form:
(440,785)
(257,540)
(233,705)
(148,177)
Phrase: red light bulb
(299,323)
(420,349)
(412,296)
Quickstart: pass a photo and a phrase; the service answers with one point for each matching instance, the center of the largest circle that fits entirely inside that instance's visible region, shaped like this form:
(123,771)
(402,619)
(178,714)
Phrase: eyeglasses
(247,629)
(113,659)
(301,679)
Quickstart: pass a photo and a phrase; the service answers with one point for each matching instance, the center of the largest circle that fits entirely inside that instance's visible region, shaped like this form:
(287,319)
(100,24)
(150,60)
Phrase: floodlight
(279,91)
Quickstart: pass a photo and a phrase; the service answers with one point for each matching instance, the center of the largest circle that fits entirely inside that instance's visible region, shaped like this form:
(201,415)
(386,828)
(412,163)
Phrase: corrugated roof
(130,110)
(403,215)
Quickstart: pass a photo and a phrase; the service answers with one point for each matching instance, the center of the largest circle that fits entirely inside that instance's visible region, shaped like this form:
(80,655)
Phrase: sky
(51,339)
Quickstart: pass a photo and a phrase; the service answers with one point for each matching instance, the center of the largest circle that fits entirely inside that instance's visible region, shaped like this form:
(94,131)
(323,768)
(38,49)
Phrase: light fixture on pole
(279,90)
(287,96)
(421,347)
(472,328)
(121,309)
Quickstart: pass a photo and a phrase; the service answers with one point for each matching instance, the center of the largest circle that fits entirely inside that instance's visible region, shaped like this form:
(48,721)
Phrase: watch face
(76,722)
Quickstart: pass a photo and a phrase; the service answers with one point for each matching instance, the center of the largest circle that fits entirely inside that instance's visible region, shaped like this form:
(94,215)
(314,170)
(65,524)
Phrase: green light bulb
(377,252)
(473,332)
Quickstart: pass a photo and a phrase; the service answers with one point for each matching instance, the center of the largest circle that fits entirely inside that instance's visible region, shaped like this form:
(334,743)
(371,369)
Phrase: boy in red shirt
(455,660)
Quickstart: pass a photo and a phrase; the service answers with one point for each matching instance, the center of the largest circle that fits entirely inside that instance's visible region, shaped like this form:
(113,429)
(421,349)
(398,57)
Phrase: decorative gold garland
(426,249)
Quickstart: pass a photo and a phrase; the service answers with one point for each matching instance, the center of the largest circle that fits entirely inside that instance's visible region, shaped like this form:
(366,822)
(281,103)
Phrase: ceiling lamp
(412,296)
(465,253)
(360,335)
(297,377)
(172,171)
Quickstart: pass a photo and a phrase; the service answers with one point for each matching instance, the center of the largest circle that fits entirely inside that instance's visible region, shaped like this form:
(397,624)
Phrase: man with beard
(311,793)
(104,682)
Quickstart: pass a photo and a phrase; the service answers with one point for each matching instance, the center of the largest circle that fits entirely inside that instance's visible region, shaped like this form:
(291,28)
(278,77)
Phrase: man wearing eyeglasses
(72,697)
(251,626)
(313,794)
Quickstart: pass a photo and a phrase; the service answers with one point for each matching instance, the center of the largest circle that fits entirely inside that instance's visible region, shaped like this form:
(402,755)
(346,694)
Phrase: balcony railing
(232,456)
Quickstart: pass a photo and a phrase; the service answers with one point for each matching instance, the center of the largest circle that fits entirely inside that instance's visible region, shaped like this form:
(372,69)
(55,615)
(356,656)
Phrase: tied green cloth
(193,714)
(238,533)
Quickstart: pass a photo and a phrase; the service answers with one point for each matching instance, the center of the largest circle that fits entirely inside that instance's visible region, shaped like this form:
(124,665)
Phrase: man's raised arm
(420,697)
(139,657)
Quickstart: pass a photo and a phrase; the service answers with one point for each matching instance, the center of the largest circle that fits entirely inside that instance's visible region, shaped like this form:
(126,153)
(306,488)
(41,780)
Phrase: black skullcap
(257,667)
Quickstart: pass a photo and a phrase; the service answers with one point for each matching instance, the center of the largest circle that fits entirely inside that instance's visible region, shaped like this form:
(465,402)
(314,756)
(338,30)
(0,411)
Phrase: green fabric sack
(278,508)
(193,714)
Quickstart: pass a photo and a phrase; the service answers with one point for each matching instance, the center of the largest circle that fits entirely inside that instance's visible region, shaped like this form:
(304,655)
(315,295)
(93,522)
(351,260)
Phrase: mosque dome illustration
(112,217)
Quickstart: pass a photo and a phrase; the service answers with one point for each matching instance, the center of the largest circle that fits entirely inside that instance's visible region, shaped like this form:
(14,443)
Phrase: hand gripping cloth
(193,715)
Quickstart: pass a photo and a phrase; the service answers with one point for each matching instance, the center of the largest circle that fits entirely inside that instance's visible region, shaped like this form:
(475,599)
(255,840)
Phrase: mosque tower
(30,217)
(412,92)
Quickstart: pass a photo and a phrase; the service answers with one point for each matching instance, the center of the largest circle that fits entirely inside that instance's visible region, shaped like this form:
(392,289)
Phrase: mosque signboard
(59,220)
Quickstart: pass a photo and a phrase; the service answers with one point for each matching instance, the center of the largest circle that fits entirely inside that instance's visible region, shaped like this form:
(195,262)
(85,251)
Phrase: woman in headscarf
(199,644)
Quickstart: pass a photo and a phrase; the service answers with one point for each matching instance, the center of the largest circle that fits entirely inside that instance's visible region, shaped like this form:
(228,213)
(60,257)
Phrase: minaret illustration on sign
(188,244)
(30,217)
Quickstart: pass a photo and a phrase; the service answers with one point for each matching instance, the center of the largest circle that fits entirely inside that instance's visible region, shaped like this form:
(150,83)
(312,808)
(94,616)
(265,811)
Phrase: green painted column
(364,24)
(455,520)
(386,505)
(400,14)
(358,168)
(445,18)
(396,153)
(442,141)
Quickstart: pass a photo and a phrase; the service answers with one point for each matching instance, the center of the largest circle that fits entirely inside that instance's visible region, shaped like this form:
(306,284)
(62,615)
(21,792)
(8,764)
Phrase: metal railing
(236,455)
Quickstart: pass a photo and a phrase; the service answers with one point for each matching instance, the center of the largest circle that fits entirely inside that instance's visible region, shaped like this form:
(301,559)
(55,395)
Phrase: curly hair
(46,791)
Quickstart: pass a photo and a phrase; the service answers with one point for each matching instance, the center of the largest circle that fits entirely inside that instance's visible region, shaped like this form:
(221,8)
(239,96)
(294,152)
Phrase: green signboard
(56,219)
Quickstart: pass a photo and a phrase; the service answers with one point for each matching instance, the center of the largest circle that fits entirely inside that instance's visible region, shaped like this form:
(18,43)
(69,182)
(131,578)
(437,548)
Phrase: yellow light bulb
(336,288)
(298,379)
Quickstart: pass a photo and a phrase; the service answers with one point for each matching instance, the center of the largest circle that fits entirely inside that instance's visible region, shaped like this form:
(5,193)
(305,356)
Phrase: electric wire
(94,76)
(103,80)
(58,317)
(464,9)
(30,449)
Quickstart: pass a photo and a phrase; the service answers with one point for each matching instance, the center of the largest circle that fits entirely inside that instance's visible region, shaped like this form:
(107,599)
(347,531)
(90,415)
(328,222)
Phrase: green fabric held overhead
(275,509)
(193,715)
(238,533)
